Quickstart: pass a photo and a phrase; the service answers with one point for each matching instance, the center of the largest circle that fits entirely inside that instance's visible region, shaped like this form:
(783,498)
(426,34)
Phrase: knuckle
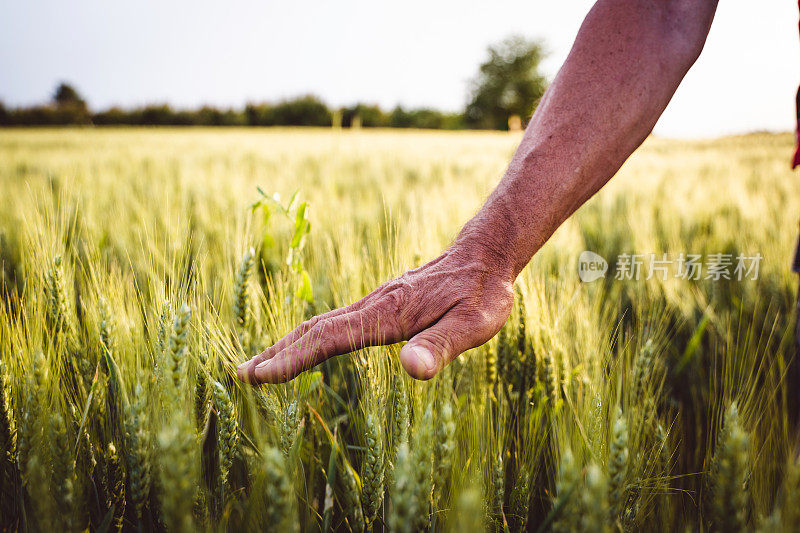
(394,301)
(310,323)
(331,336)
(319,330)
(395,298)
(333,329)
(398,288)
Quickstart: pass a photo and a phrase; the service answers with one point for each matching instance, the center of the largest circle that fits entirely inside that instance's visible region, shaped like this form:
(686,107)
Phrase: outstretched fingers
(246,369)
(328,337)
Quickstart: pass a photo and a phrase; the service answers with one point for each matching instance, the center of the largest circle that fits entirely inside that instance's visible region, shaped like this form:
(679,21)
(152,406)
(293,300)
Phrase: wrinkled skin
(627,61)
(445,307)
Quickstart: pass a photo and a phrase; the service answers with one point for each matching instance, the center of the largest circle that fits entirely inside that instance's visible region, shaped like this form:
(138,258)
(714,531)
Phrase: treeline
(503,95)
(301,111)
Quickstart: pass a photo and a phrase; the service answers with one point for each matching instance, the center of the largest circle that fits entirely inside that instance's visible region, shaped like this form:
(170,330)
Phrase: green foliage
(495,493)
(397,416)
(351,496)
(271,504)
(163,327)
(69,108)
(66,95)
(201,394)
(567,509)
(618,465)
(594,498)
(548,377)
(444,448)
(179,466)
(302,228)
(424,118)
(9,472)
(137,457)
(508,83)
(115,483)
(57,308)
(241,298)
(405,494)
(302,111)
(728,487)
(519,503)
(372,471)
(228,432)
(364,115)
(178,345)
(290,425)
(644,368)
(62,471)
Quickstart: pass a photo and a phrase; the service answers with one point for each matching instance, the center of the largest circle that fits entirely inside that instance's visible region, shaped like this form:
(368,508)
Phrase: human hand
(456,302)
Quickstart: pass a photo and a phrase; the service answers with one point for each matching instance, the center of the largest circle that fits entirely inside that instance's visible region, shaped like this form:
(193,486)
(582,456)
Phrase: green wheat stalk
(228,431)
(372,471)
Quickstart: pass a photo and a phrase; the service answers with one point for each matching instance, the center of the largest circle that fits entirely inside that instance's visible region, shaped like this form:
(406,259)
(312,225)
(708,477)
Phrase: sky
(414,53)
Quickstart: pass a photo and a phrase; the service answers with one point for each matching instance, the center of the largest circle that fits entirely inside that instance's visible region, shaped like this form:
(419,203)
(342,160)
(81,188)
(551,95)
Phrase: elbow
(686,48)
(684,27)
(672,31)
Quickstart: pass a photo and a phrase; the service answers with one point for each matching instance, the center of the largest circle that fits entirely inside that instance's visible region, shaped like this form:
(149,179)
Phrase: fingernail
(425,357)
(264,364)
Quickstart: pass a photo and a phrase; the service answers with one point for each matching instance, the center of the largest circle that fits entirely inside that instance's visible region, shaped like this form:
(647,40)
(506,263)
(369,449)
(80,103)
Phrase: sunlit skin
(626,63)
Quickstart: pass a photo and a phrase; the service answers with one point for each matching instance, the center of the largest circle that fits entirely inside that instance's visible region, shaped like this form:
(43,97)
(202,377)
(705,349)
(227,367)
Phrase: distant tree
(453,121)
(114,116)
(302,111)
(427,119)
(508,83)
(157,115)
(211,116)
(67,96)
(400,118)
(258,114)
(371,116)
(70,107)
(424,118)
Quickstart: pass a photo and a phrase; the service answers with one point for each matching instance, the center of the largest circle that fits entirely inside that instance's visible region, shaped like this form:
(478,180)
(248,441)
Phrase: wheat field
(141,266)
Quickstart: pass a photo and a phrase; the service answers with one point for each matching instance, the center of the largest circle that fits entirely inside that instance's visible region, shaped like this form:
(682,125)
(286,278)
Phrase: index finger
(372,326)
(245,371)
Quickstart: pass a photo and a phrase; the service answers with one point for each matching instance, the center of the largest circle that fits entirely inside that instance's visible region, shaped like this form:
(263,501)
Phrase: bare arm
(625,65)
(627,61)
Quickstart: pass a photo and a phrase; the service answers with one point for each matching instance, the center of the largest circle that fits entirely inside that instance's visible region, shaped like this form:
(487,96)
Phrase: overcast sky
(415,52)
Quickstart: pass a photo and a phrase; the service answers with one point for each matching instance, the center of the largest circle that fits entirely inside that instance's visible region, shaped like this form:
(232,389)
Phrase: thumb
(432,349)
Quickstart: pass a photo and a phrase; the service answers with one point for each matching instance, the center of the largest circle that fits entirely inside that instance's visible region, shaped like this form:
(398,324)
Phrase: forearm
(627,61)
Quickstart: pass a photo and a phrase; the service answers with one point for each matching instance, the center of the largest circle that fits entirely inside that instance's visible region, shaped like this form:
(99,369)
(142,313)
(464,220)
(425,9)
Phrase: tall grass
(136,276)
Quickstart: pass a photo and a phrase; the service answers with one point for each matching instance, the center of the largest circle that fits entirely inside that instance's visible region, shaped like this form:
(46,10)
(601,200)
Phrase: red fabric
(796,160)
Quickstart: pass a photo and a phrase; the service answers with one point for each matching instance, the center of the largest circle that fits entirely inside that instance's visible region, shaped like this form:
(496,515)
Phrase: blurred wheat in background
(140,267)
